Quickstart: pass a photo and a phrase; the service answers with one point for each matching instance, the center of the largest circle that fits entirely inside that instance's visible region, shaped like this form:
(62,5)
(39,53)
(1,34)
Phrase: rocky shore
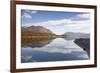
(84,43)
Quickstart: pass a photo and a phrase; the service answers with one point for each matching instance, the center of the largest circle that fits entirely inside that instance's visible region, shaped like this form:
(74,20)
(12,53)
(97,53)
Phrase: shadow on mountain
(35,42)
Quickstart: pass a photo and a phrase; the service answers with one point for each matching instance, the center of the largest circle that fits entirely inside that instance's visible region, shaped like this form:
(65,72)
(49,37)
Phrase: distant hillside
(76,35)
(35,31)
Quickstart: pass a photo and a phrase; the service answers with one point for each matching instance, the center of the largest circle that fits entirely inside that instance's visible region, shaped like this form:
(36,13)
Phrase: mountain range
(76,35)
(42,31)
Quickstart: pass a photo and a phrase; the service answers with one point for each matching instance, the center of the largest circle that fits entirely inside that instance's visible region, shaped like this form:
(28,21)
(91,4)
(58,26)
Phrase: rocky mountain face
(38,29)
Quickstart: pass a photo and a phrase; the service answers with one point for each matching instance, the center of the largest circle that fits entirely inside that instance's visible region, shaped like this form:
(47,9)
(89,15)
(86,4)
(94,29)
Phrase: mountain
(35,29)
(76,35)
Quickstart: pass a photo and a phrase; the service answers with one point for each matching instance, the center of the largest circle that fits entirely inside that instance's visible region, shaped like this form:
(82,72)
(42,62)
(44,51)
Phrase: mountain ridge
(35,29)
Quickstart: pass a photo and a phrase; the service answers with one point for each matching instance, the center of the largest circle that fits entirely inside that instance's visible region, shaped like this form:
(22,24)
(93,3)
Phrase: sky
(56,21)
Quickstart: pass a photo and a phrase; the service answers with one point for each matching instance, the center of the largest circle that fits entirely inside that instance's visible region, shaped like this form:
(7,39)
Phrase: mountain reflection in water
(35,42)
(46,49)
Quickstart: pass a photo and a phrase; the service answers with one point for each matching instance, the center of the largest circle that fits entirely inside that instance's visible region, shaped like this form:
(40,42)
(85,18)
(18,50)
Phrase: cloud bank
(78,23)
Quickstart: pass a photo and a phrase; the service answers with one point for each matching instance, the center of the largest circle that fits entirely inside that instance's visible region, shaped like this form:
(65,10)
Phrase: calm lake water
(57,49)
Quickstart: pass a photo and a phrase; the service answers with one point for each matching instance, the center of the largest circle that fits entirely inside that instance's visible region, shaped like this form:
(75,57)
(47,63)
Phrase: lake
(45,50)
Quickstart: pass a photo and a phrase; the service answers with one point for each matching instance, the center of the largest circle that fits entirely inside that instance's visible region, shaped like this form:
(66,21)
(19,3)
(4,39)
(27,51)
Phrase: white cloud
(26,24)
(33,12)
(79,26)
(70,25)
(53,22)
(26,16)
(87,15)
(83,28)
(30,11)
(65,21)
(26,58)
(60,50)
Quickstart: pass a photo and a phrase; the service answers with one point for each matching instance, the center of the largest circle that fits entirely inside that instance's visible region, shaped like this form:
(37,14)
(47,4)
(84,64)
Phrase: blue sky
(58,22)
